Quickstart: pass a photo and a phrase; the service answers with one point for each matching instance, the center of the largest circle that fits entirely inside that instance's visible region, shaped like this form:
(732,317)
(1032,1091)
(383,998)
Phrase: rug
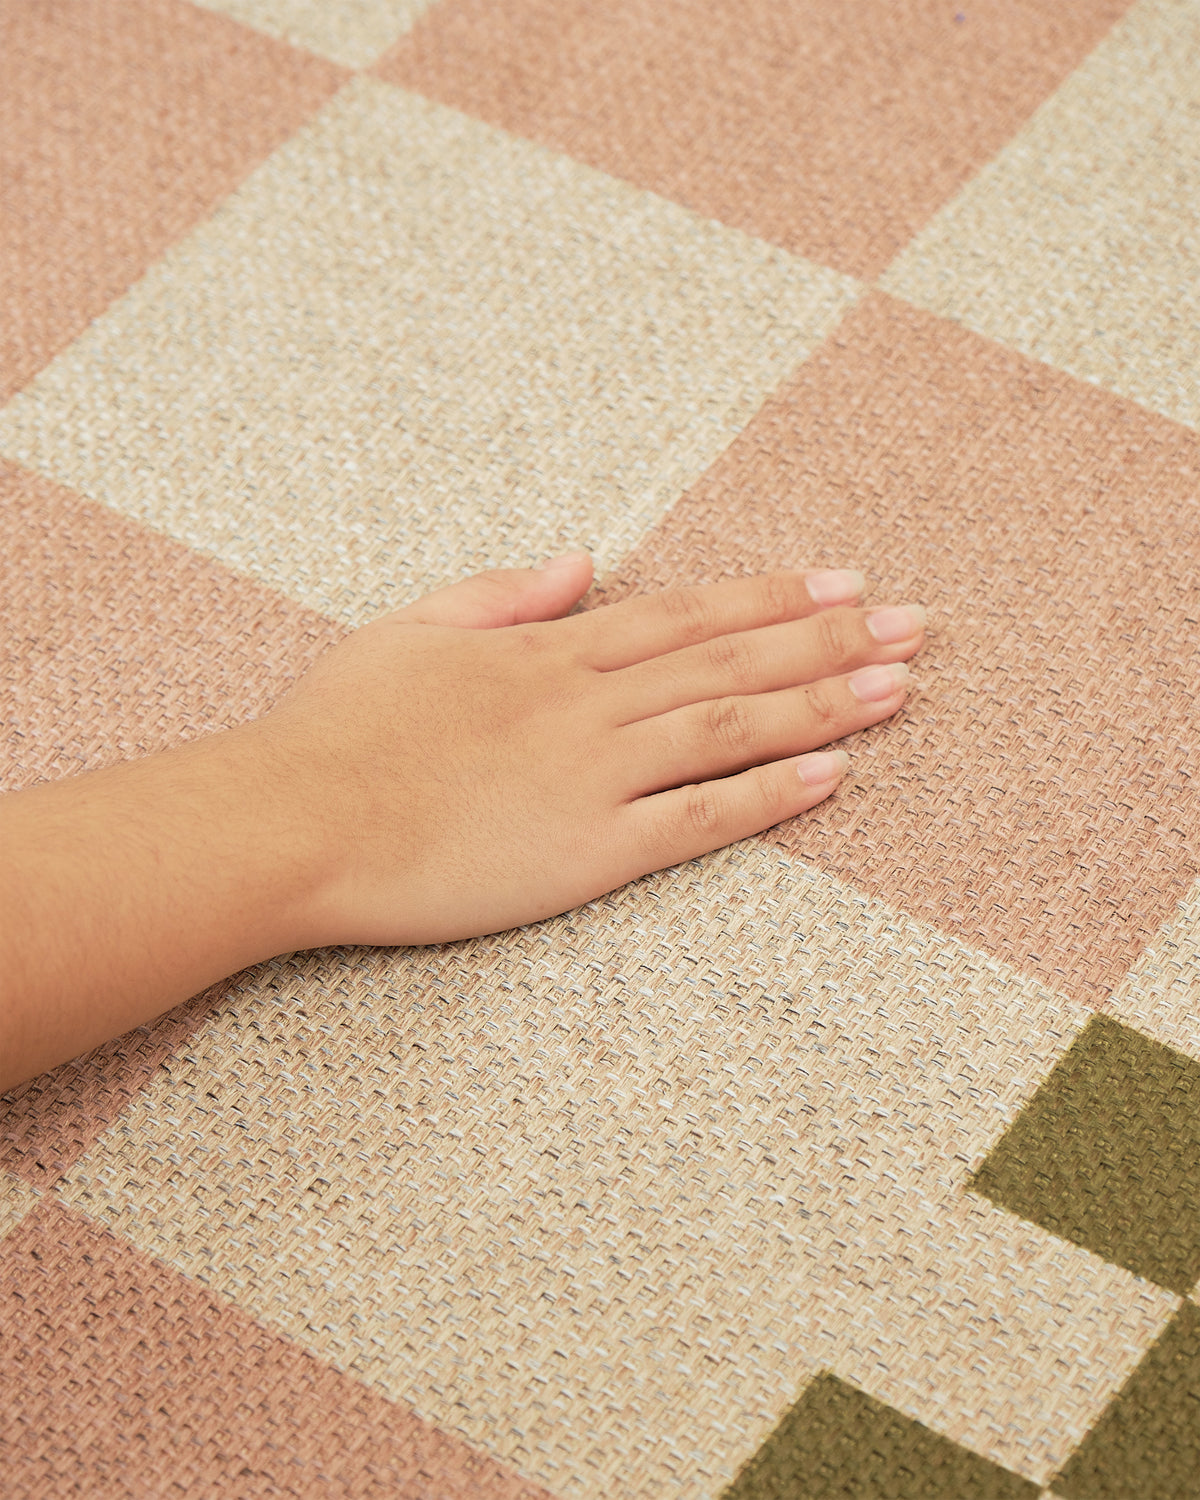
(860,1159)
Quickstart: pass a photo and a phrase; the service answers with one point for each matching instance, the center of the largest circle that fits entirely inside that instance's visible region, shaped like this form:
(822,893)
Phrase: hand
(462,766)
(477,763)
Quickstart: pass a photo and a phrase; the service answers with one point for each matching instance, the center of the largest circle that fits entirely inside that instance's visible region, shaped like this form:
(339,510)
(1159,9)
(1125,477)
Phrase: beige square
(1161,993)
(16,1200)
(350,32)
(601,1193)
(411,347)
(1080,244)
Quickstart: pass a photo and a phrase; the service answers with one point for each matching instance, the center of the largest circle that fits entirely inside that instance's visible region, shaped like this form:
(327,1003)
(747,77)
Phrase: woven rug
(861,1159)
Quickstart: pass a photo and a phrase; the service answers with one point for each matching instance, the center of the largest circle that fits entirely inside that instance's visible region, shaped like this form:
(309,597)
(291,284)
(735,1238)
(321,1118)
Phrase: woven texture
(858,1160)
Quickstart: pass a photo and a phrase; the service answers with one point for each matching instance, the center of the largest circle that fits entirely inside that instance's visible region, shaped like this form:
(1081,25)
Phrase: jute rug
(861,1159)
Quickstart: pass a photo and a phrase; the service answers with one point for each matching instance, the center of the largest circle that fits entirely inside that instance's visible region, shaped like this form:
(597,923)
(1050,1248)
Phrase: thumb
(506,596)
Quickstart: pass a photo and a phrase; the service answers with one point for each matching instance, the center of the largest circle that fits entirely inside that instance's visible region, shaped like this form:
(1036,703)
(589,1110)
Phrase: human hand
(474,761)
(469,763)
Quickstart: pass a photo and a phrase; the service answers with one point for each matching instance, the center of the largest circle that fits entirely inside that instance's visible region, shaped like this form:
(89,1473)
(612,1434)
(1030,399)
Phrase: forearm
(125,891)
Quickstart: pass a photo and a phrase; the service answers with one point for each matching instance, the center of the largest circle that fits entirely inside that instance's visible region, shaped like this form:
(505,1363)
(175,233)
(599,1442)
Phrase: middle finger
(769,659)
(726,735)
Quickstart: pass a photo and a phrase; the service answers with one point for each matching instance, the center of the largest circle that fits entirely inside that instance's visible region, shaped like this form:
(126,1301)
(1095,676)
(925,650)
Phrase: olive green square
(1107,1154)
(838,1444)
(1146,1444)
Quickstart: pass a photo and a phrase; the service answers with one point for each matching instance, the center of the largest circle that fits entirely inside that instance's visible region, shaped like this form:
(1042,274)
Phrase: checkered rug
(861,1159)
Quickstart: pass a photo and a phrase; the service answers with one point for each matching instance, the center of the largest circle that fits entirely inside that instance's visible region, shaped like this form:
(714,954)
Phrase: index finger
(620,635)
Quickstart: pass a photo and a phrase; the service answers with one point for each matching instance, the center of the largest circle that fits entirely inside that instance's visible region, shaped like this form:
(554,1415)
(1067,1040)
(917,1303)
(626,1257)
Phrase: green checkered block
(1107,1153)
(838,1444)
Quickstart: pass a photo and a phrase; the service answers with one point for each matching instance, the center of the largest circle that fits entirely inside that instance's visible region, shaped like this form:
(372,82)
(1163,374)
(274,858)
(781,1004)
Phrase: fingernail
(567,560)
(823,766)
(874,684)
(835,585)
(900,623)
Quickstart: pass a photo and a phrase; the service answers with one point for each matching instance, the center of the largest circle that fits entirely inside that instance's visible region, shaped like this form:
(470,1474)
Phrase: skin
(478,760)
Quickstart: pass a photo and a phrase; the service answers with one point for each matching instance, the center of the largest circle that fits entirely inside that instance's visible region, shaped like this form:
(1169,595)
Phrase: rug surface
(861,1159)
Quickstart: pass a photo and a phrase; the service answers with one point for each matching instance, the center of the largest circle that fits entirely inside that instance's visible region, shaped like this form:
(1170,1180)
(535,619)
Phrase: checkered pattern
(859,1159)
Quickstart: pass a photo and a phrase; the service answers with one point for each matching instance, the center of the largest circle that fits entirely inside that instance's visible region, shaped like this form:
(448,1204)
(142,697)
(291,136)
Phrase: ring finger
(724,735)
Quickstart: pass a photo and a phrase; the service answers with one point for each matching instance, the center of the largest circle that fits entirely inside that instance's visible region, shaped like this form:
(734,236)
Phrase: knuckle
(689,611)
(528,639)
(495,590)
(823,707)
(499,583)
(727,721)
(833,636)
(702,812)
(779,596)
(730,658)
(767,801)
(520,642)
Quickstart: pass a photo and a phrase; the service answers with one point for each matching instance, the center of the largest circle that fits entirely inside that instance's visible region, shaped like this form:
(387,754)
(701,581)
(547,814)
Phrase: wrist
(271,837)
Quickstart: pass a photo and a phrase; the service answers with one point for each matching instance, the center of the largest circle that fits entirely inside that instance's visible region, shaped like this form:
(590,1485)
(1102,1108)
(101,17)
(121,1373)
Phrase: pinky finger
(693,820)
